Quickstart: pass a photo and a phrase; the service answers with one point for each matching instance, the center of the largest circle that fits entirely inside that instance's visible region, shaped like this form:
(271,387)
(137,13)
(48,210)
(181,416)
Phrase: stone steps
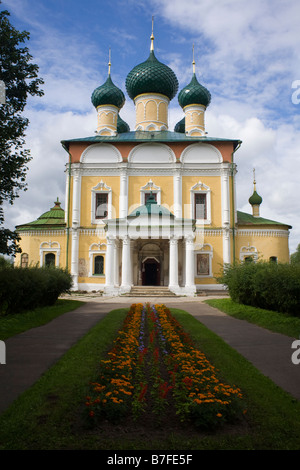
(150,291)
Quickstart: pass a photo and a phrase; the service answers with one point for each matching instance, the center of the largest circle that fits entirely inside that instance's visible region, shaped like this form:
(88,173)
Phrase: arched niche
(101,153)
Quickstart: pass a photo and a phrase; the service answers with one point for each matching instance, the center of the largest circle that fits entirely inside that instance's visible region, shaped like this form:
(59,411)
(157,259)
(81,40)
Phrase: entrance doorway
(151,272)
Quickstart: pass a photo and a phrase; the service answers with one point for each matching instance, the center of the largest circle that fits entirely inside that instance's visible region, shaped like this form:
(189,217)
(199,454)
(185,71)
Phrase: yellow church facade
(150,207)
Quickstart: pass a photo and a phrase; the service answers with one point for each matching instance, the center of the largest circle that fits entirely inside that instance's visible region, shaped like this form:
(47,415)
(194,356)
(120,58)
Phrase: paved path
(30,354)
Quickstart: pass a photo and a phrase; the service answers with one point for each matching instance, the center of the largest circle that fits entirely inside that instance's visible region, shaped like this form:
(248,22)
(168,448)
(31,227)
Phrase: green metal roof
(247,219)
(146,136)
(108,94)
(151,207)
(151,76)
(194,93)
(255,199)
(53,219)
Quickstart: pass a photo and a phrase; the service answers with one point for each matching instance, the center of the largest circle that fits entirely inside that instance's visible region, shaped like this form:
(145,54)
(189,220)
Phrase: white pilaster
(177,194)
(74,258)
(225,214)
(123,202)
(76,197)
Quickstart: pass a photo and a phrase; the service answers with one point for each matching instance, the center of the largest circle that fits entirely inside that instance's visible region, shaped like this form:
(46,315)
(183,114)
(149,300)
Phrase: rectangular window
(147,195)
(101,210)
(203,264)
(200,211)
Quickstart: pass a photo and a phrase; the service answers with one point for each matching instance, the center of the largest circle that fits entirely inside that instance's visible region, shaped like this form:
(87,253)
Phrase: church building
(151,206)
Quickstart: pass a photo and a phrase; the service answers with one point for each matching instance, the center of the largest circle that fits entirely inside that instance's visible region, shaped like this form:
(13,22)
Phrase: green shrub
(265,285)
(24,289)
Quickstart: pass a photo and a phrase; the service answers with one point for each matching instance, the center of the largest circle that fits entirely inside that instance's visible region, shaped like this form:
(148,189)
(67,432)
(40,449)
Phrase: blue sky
(247,55)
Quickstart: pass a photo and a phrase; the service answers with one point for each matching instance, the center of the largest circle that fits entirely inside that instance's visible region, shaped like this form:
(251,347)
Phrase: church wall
(265,243)
(33,243)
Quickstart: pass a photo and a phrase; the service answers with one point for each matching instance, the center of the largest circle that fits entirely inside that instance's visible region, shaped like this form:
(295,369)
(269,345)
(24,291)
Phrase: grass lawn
(277,322)
(11,325)
(50,414)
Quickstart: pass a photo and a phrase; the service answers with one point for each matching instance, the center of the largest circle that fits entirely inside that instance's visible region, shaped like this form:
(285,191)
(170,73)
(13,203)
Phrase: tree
(20,77)
(295,257)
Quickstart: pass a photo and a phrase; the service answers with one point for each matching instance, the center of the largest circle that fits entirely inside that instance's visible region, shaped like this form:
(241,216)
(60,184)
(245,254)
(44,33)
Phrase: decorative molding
(150,186)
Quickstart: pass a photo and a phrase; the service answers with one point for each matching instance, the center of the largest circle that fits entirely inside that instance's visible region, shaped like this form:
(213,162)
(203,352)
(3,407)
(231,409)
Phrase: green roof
(108,94)
(255,199)
(247,219)
(52,219)
(151,76)
(194,93)
(151,207)
(146,136)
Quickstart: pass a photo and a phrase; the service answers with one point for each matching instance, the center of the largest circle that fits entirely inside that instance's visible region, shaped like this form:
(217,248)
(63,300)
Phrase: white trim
(248,250)
(150,186)
(151,145)
(49,247)
(94,250)
(100,188)
(201,188)
(211,150)
(207,249)
(102,147)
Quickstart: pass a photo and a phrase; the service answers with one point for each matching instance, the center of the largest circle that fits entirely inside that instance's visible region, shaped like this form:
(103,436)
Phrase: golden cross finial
(109,62)
(152,36)
(254,182)
(194,67)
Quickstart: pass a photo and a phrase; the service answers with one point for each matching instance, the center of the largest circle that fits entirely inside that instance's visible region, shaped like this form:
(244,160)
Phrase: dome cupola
(194,99)
(255,200)
(108,99)
(151,85)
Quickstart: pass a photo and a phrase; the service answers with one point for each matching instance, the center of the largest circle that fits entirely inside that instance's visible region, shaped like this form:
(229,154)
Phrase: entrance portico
(156,248)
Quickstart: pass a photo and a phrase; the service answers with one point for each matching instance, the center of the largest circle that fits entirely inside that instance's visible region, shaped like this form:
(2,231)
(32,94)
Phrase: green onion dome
(255,199)
(108,94)
(122,126)
(180,126)
(151,76)
(194,93)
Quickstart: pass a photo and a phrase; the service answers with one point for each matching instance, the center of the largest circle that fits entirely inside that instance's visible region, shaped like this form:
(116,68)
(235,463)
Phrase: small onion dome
(108,94)
(194,93)
(180,126)
(151,76)
(255,199)
(122,126)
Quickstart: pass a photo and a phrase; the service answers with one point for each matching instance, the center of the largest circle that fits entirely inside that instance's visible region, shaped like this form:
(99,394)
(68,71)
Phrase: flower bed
(153,366)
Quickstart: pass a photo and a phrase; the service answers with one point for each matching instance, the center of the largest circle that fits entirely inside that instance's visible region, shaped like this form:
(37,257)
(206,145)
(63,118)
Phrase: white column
(189,266)
(173,264)
(225,214)
(123,199)
(76,198)
(109,263)
(117,262)
(177,194)
(126,265)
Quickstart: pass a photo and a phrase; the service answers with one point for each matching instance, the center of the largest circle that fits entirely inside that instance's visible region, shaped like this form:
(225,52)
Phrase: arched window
(99,264)
(50,259)
(24,260)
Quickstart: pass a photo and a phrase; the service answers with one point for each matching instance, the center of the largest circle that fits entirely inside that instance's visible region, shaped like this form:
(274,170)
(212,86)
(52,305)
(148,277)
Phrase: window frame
(206,250)
(201,188)
(100,188)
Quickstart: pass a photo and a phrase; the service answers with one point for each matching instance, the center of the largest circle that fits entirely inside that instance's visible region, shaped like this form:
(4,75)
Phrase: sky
(247,54)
